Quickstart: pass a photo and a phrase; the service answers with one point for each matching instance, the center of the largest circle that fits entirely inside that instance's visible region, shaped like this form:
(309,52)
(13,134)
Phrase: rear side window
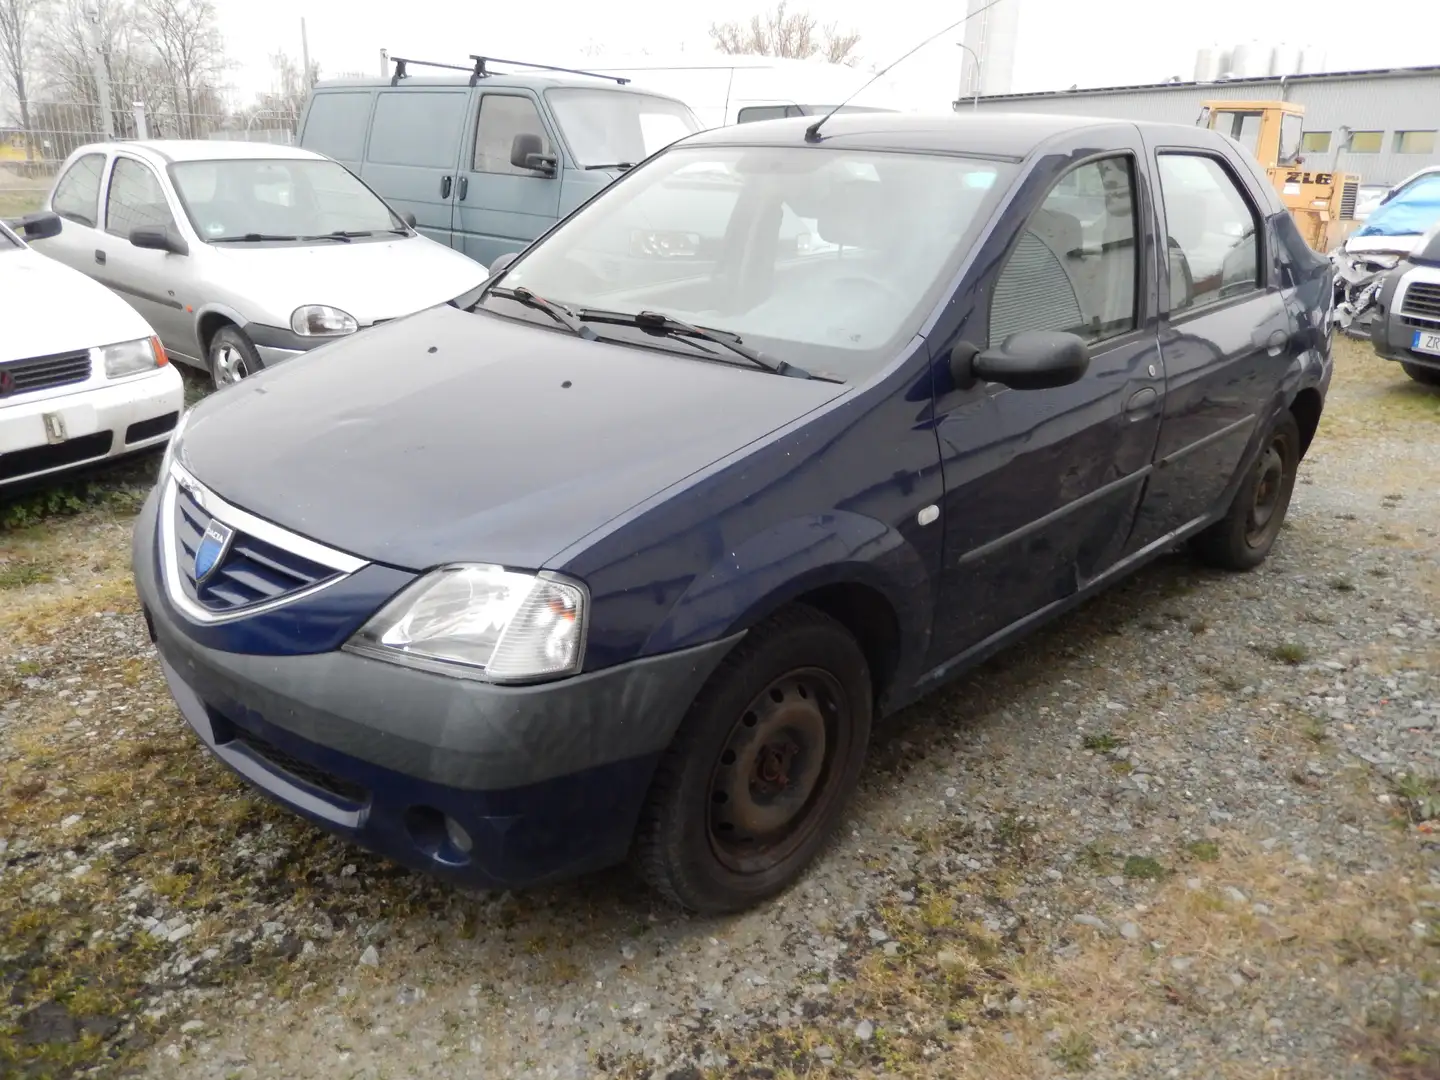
(1212,232)
(135,199)
(78,193)
(1074,268)
(418,127)
(502,117)
(336,123)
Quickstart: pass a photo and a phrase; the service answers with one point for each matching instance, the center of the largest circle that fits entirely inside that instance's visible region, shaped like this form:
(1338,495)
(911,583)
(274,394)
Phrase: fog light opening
(458,837)
(438,835)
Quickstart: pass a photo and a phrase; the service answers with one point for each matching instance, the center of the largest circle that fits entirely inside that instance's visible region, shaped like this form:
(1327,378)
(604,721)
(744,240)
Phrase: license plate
(1427,341)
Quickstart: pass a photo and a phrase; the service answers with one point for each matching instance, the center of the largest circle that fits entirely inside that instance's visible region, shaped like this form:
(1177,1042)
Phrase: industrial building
(1380,125)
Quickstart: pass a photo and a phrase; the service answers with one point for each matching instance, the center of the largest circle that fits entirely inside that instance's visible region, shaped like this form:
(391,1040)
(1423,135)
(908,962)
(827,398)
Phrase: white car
(83,377)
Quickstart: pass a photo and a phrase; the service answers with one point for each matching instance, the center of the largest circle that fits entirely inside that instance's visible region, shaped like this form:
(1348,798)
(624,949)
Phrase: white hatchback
(83,377)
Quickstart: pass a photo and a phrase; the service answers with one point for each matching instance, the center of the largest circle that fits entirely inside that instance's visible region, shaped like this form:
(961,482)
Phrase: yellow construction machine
(1321,202)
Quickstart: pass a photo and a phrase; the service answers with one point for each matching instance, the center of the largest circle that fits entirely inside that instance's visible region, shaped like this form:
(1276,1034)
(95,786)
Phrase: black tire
(1427,375)
(1244,536)
(694,843)
(232,357)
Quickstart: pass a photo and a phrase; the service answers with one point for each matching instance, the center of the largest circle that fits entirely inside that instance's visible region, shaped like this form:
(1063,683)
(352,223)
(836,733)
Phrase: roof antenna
(812,133)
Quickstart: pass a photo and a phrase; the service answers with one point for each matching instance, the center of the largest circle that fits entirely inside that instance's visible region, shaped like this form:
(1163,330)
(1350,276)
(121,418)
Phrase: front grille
(43,372)
(1421,306)
(302,771)
(148,429)
(53,456)
(1348,196)
(251,572)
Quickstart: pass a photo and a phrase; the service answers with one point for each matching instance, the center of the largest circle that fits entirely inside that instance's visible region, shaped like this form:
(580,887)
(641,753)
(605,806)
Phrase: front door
(1224,336)
(1041,486)
(501,207)
(413,151)
(146,278)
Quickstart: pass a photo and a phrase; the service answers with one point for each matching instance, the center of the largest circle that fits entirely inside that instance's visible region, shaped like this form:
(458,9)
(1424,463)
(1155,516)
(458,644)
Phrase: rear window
(336,124)
(418,127)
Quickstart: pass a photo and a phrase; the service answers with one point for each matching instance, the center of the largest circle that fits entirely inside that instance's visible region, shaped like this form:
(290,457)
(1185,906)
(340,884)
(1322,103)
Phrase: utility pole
(101,73)
(384,63)
(974,78)
(305,56)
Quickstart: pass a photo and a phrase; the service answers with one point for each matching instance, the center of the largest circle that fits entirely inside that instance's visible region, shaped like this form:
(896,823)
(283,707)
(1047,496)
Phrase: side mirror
(409,219)
(158,238)
(500,262)
(527,151)
(40,225)
(1028,360)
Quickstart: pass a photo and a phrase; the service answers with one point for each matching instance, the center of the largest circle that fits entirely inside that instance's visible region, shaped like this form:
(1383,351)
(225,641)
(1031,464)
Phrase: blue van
(487,161)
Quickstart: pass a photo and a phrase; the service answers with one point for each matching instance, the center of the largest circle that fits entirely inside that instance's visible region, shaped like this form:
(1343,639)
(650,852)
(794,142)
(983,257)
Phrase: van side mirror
(1028,360)
(159,238)
(527,151)
(40,225)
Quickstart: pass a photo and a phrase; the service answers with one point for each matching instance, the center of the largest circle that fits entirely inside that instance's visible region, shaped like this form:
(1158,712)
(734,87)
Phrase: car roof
(524,80)
(172,150)
(988,134)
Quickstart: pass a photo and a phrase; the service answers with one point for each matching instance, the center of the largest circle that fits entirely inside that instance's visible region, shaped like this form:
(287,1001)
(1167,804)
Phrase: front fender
(797,556)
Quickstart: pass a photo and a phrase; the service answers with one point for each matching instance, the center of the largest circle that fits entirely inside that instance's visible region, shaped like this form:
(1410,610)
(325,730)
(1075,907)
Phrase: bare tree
(187,43)
(289,89)
(782,32)
(17,39)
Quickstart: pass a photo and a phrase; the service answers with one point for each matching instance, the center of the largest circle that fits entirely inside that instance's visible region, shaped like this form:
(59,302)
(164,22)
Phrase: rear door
(500,207)
(413,151)
(1225,334)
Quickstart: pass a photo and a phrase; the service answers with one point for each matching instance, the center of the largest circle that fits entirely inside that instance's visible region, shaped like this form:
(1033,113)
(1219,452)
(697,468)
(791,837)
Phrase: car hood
(63,309)
(451,436)
(371,279)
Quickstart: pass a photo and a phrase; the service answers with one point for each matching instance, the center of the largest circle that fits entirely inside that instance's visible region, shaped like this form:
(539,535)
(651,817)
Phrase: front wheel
(233,357)
(1427,375)
(1244,536)
(761,768)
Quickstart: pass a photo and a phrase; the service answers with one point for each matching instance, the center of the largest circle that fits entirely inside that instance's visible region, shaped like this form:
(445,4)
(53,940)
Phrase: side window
(335,125)
(502,117)
(751,113)
(135,198)
(78,193)
(1074,268)
(418,127)
(1211,232)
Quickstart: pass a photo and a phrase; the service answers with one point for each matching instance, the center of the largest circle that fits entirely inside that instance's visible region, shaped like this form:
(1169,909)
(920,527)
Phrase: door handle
(464,187)
(1141,403)
(99,256)
(445,187)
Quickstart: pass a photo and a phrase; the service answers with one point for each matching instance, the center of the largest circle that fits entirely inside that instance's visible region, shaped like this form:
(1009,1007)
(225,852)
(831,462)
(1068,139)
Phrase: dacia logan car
(622,554)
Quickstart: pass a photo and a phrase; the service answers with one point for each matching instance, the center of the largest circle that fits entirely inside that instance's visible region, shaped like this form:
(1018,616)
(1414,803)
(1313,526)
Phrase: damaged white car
(1393,231)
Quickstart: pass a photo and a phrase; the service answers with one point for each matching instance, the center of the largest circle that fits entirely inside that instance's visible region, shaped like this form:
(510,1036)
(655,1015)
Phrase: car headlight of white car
(132,357)
(480,621)
(322,320)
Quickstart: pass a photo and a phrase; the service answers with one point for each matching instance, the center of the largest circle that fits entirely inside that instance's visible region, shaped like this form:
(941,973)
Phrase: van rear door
(413,152)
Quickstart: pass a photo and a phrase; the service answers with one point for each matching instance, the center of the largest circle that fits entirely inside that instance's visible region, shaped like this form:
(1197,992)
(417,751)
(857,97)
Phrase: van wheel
(1427,375)
(762,767)
(1244,536)
(232,357)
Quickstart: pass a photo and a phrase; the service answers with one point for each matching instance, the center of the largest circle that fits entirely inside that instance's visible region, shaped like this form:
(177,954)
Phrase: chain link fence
(72,112)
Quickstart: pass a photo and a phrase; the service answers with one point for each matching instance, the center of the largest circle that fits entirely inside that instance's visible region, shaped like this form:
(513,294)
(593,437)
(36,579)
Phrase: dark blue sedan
(624,554)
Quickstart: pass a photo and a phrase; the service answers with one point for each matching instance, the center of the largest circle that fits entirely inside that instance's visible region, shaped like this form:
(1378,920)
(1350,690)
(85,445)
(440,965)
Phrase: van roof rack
(479,70)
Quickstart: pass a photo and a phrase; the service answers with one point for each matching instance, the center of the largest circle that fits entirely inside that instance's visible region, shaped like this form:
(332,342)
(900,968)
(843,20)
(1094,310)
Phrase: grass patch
(1103,742)
(1289,652)
(19,573)
(1341,584)
(1420,796)
(1076,1051)
(1143,868)
(1203,851)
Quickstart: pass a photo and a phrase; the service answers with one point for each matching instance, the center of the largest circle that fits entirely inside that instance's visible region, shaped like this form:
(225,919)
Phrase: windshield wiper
(621,165)
(256,238)
(561,315)
(658,321)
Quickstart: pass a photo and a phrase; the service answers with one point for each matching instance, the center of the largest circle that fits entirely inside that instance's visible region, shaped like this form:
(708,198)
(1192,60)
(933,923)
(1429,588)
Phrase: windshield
(827,259)
(1290,138)
(278,198)
(618,127)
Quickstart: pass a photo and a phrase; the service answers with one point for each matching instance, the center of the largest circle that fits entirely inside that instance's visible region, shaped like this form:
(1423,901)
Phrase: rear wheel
(1427,375)
(233,357)
(762,767)
(1244,536)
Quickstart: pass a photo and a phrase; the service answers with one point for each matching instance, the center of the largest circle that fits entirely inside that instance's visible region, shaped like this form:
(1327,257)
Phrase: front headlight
(321,320)
(171,446)
(482,622)
(132,357)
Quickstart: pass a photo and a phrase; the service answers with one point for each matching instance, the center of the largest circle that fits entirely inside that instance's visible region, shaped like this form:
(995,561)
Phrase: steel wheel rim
(770,785)
(1269,491)
(230,366)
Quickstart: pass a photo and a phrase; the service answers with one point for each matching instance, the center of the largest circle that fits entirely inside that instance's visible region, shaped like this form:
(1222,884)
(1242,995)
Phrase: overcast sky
(1094,43)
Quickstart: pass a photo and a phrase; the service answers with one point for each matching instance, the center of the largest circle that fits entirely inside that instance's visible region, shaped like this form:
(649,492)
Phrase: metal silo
(1207,64)
(1285,59)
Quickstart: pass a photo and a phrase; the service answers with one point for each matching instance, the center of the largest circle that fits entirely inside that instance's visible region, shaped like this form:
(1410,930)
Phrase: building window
(1414,142)
(1316,142)
(1366,142)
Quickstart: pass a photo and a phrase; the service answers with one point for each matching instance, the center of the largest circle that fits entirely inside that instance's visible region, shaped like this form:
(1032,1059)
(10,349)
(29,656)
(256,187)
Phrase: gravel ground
(1185,832)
